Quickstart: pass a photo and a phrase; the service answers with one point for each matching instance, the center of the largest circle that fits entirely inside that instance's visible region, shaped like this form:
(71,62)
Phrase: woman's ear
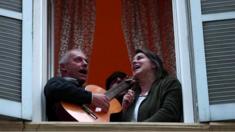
(153,65)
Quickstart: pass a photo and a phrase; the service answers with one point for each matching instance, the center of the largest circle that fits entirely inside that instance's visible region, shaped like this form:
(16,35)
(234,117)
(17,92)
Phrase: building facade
(204,38)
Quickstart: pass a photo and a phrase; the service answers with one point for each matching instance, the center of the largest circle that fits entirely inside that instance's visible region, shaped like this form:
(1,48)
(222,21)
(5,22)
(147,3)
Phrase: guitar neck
(113,92)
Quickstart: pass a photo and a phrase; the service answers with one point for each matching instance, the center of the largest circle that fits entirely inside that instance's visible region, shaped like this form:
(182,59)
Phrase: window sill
(119,126)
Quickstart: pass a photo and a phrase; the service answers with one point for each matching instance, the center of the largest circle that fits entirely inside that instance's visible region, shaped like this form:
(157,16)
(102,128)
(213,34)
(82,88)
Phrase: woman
(156,97)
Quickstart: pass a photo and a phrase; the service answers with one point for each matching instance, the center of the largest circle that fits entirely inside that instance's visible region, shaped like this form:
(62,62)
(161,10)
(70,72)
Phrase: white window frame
(22,109)
(206,111)
(182,50)
(199,61)
(40,53)
(40,62)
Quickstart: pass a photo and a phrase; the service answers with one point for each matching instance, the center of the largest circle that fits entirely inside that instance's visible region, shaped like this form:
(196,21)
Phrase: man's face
(77,65)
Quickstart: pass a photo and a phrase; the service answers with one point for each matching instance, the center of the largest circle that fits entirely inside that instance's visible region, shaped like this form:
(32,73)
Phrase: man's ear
(63,68)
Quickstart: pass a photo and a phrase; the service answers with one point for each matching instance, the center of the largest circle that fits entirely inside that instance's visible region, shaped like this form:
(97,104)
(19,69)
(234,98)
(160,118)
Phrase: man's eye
(78,59)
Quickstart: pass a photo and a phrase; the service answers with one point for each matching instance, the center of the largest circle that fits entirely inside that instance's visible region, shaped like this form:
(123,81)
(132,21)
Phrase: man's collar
(77,81)
(70,79)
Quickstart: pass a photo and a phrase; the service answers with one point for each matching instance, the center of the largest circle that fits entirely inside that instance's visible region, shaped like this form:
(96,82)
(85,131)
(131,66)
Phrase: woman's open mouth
(136,66)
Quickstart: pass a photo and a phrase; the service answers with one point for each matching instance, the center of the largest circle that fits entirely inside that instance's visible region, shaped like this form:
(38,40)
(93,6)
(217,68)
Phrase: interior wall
(106,42)
(109,51)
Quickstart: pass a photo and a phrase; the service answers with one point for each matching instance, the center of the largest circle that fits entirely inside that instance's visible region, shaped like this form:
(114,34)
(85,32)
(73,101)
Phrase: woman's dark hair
(114,76)
(154,58)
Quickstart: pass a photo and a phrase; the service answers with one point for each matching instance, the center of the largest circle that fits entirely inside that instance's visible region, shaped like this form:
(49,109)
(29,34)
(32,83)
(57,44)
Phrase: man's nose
(84,62)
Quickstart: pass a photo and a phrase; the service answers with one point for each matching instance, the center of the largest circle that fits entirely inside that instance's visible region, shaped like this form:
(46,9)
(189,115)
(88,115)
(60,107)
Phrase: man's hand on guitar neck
(100,101)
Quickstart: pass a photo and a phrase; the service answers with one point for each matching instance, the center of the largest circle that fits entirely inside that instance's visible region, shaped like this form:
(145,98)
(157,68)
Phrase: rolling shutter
(15,58)
(10,58)
(219,39)
(213,27)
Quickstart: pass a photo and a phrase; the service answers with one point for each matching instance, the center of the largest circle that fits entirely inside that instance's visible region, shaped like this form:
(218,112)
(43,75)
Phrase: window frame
(199,61)
(40,62)
(42,57)
(22,109)
(183,57)
(206,111)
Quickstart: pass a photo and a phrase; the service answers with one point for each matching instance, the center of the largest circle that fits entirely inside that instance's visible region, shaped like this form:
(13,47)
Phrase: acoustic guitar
(86,113)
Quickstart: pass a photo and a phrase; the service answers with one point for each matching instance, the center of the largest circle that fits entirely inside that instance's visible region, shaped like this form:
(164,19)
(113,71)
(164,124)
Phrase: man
(113,81)
(69,87)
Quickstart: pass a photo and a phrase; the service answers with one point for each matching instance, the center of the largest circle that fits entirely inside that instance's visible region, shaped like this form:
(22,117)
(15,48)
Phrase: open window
(160,25)
(142,24)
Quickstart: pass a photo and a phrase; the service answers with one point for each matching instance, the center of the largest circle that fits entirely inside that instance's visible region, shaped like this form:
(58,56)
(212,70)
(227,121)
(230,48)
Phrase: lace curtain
(74,22)
(145,24)
(148,24)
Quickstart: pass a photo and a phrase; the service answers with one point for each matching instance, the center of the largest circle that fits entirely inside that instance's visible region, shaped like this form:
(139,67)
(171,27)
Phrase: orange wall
(109,51)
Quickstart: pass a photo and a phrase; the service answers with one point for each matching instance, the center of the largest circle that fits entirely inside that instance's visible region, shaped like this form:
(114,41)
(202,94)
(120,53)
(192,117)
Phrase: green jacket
(163,103)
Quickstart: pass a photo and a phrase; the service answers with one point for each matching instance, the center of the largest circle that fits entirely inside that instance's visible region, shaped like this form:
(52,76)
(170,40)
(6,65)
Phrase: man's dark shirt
(60,89)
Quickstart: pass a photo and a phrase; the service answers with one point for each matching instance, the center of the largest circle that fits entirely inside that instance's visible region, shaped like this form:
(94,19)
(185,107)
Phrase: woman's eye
(139,57)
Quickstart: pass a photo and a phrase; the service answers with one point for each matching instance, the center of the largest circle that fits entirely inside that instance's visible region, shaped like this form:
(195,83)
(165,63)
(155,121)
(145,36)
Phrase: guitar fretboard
(113,92)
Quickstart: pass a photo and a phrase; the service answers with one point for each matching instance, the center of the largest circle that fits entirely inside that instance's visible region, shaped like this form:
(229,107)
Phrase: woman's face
(141,65)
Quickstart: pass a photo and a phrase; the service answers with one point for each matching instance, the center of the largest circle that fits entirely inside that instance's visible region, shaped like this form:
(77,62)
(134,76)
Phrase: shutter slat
(4,80)
(219,57)
(224,101)
(217,6)
(221,72)
(14,89)
(10,57)
(211,69)
(10,44)
(219,42)
(221,53)
(10,62)
(14,51)
(7,57)
(10,77)
(9,96)
(224,37)
(225,94)
(217,48)
(8,73)
(18,67)
(3,29)
(9,69)
(211,33)
(16,40)
(220,80)
(220,85)
(13,5)
(219,39)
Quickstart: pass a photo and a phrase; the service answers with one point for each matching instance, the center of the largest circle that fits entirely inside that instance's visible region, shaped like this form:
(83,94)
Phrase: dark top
(163,103)
(60,89)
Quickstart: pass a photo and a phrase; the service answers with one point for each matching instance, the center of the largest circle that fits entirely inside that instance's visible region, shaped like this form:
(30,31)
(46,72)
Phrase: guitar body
(81,115)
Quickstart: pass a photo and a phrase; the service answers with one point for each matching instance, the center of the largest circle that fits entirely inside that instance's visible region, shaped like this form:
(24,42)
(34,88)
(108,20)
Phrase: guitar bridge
(89,112)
